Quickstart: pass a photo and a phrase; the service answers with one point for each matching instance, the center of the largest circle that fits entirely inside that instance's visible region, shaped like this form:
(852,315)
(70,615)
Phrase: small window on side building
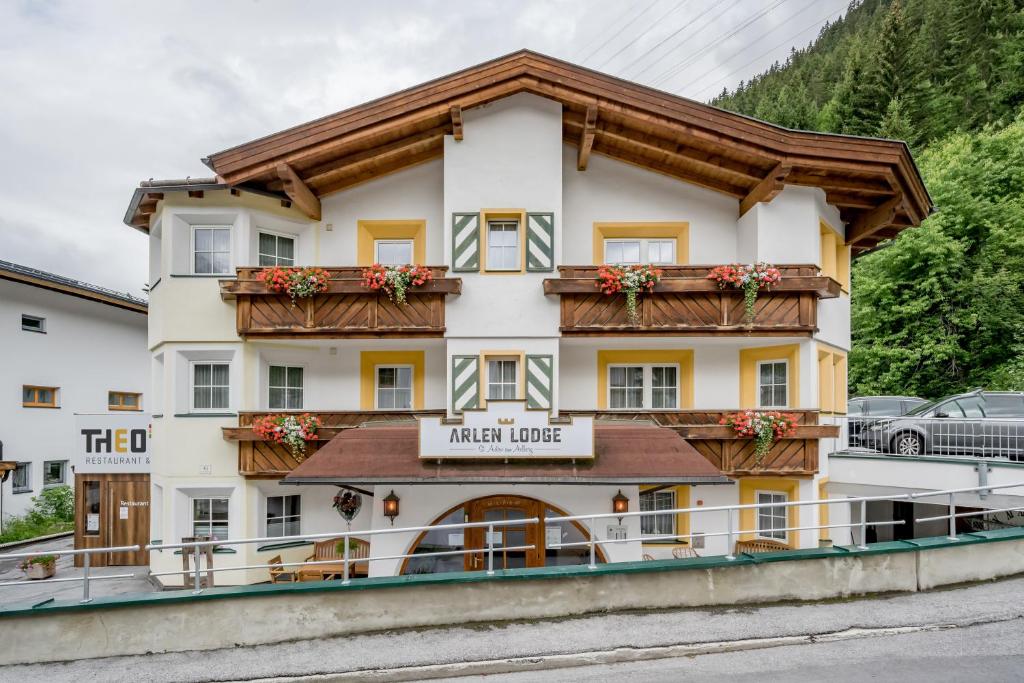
(33,323)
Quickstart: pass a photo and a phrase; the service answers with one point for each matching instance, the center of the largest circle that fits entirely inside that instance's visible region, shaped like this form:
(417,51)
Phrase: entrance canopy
(623,454)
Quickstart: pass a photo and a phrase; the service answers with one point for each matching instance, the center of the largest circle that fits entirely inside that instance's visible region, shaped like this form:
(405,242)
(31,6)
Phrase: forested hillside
(941,308)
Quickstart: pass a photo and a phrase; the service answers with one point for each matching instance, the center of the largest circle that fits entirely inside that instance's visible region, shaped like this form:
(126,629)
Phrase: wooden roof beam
(871,222)
(297,191)
(587,138)
(766,190)
(456,114)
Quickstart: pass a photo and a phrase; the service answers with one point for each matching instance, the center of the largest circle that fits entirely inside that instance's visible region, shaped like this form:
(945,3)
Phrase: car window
(1004,405)
(855,408)
(971,405)
(929,406)
(885,407)
(949,408)
(911,404)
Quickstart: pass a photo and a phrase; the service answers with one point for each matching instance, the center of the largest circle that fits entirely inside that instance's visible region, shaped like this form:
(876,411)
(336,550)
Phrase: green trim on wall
(283,546)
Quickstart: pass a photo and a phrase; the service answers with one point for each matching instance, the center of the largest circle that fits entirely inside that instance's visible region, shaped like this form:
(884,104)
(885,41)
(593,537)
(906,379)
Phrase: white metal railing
(86,576)
(980,437)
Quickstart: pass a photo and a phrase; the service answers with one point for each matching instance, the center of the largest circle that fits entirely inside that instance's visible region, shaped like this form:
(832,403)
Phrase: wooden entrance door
(499,509)
(128,520)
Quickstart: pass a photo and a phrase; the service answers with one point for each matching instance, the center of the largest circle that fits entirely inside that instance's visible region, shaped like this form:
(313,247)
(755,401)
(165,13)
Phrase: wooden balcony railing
(345,310)
(685,302)
(794,456)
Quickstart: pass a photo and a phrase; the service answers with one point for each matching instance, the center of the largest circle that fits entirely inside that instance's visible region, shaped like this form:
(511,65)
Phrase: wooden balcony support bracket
(871,222)
(456,114)
(587,138)
(298,192)
(769,187)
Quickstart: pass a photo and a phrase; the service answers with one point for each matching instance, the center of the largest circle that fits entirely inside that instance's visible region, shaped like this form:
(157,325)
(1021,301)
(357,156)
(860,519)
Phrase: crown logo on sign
(506,420)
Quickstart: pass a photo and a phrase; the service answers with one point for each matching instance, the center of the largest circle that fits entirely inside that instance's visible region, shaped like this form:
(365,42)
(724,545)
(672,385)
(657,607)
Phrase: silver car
(978,423)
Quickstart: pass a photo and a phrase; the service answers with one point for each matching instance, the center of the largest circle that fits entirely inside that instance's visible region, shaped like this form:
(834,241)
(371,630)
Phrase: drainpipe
(982,469)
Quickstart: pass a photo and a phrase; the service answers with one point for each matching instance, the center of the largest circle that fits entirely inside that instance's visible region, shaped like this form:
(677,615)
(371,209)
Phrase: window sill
(25,329)
(124,410)
(662,544)
(54,485)
(32,405)
(17,491)
(157,415)
(206,415)
(283,545)
(153,286)
(216,551)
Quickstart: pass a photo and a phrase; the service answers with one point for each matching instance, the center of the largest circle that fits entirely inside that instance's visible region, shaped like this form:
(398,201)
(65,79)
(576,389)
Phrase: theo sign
(506,429)
(111,444)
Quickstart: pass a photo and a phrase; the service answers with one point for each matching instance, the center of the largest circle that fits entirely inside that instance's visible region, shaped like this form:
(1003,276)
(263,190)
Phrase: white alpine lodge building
(513,181)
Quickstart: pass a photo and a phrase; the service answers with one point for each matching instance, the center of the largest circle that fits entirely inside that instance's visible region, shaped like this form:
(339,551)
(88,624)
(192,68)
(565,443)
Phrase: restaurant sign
(506,429)
(112,443)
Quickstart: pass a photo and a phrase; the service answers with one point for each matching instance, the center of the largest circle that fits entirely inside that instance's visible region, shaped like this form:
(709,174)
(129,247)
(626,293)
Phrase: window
(33,323)
(971,405)
(503,245)
(211,251)
(54,472)
(394,387)
(21,479)
(771,521)
(641,386)
(210,517)
(657,525)
(772,384)
(38,397)
(1004,405)
(124,400)
(633,251)
(276,250)
(393,252)
(283,513)
(285,388)
(210,386)
(886,407)
(502,378)
(92,508)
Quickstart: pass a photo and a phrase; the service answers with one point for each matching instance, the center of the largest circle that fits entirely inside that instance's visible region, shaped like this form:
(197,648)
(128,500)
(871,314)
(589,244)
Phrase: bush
(57,503)
(52,512)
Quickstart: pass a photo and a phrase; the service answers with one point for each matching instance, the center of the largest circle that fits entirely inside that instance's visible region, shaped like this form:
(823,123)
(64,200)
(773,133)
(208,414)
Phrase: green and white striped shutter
(465,242)
(465,382)
(540,241)
(539,373)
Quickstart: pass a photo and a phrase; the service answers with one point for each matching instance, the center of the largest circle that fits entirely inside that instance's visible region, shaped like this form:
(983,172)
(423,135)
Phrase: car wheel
(907,443)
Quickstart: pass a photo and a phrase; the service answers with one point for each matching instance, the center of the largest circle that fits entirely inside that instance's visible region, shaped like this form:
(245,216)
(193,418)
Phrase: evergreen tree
(896,123)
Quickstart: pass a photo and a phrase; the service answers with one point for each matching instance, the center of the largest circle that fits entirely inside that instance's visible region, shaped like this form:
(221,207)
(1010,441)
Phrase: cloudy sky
(99,95)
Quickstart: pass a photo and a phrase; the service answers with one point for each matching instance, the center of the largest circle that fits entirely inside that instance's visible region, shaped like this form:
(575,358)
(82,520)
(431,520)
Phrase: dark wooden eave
(873,182)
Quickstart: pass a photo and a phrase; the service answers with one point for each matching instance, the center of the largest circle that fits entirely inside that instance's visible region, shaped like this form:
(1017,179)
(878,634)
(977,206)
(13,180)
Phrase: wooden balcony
(685,302)
(345,310)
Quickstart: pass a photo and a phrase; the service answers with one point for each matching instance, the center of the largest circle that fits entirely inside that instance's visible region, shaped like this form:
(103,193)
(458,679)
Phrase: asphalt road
(973,633)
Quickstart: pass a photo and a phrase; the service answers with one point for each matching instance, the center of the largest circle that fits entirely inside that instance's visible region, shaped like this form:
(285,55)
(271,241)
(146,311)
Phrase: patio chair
(648,558)
(196,554)
(684,552)
(280,573)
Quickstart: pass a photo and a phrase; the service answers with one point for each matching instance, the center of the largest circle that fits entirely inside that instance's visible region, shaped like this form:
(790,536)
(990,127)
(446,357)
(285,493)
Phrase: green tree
(896,123)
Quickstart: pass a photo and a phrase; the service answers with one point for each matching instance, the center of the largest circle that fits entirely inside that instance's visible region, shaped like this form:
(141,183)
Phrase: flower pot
(41,570)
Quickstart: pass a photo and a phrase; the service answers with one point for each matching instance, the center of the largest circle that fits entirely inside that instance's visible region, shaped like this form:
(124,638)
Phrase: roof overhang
(63,285)
(150,193)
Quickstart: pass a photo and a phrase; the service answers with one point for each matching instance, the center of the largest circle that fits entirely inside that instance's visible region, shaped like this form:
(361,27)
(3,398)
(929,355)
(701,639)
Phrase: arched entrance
(498,509)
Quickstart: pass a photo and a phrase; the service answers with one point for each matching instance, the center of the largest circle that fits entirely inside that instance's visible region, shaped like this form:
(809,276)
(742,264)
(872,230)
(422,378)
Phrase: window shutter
(465,382)
(539,374)
(465,242)
(540,242)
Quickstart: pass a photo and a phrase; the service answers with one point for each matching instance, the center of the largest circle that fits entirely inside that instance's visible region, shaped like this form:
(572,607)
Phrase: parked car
(984,423)
(860,410)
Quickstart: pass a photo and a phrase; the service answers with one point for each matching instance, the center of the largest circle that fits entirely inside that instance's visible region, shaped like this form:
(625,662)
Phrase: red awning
(624,454)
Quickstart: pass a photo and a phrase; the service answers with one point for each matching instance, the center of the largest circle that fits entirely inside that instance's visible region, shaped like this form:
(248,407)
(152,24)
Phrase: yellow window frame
(369,231)
(520,357)
(115,401)
(749,358)
(36,390)
(681,357)
(518,215)
(682,518)
(677,230)
(749,486)
(368,362)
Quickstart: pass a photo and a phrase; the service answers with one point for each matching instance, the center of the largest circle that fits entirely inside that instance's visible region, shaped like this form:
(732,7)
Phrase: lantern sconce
(620,504)
(391,507)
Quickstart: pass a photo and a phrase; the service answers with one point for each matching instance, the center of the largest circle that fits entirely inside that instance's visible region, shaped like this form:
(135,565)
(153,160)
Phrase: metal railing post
(490,550)
(593,550)
(952,518)
(196,580)
(85,578)
(345,556)
(863,545)
(730,550)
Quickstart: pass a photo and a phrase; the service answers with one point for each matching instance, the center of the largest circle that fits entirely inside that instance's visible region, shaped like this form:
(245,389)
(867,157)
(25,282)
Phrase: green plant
(52,512)
(57,503)
(38,559)
(340,546)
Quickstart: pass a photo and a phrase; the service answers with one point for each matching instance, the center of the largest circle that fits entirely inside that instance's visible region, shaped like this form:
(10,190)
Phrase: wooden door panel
(128,510)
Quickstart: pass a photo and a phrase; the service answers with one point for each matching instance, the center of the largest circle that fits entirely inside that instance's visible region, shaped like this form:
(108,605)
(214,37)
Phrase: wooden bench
(328,551)
(760,545)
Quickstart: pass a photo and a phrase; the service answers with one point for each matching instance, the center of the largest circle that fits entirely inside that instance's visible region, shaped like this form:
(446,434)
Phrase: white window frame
(192,386)
(37,318)
(785,385)
(192,249)
(772,534)
(377,387)
(487,375)
(409,241)
(278,235)
(284,517)
(192,514)
(655,514)
(270,386)
(63,473)
(644,248)
(647,384)
(27,488)
(518,247)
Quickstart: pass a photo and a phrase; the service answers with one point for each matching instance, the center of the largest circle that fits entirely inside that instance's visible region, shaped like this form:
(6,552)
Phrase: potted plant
(631,281)
(298,283)
(353,545)
(395,281)
(749,278)
(40,566)
(765,427)
(291,430)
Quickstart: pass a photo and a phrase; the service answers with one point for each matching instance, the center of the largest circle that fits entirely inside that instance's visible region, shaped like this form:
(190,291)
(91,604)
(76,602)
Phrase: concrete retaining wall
(178,621)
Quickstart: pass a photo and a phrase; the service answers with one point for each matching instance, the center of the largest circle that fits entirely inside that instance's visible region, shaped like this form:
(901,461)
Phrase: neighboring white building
(514,179)
(68,347)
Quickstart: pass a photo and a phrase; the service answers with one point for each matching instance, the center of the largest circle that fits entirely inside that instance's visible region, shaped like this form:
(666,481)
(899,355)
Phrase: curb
(38,539)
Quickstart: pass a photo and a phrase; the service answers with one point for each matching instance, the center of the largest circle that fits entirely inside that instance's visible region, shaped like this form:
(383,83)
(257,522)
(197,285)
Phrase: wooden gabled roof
(873,182)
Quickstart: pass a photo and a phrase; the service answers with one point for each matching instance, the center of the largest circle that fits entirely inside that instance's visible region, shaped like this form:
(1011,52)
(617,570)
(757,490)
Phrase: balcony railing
(734,456)
(345,310)
(685,302)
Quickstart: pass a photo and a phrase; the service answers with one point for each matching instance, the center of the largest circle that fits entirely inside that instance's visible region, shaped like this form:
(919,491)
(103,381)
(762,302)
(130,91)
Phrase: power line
(763,54)
(619,32)
(657,22)
(615,22)
(672,71)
